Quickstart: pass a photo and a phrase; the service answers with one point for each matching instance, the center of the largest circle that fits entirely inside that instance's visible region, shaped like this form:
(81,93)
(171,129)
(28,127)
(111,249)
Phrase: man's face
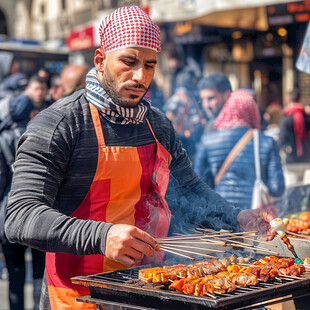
(57,90)
(36,92)
(212,100)
(126,74)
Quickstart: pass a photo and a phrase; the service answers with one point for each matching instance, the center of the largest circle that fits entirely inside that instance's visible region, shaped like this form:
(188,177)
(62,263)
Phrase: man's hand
(251,220)
(128,244)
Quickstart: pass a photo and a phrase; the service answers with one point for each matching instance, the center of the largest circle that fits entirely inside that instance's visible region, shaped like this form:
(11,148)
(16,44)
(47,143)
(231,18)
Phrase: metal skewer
(164,248)
(254,240)
(176,246)
(179,254)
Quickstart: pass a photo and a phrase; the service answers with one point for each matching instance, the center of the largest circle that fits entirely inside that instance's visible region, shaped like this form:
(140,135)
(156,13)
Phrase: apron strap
(97,124)
(148,123)
(158,144)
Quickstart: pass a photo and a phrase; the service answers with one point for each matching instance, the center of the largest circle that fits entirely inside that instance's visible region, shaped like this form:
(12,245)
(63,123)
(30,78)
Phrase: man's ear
(99,59)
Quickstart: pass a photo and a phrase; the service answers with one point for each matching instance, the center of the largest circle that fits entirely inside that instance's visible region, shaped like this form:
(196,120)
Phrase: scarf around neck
(113,112)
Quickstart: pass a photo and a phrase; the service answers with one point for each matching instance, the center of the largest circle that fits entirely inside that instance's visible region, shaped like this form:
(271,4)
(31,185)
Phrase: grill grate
(124,286)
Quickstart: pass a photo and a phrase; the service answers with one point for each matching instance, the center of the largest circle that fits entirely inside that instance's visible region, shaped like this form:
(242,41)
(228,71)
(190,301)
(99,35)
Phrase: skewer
(176,246)
(231,234)
(182,237)
(244,245)
(250,246)
(254,248)
(298,235)
(185,251)
(212,231)
(258,241)
(179,254)
(191,242)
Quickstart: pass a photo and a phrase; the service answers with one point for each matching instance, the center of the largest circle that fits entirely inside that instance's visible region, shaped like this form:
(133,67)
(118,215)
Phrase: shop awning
(84,36)
(221,13)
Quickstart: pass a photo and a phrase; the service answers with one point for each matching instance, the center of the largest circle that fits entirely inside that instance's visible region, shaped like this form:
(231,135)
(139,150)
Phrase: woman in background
(239,113)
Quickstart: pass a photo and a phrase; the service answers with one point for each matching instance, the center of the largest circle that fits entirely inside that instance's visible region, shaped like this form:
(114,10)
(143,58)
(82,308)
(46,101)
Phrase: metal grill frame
(112,286)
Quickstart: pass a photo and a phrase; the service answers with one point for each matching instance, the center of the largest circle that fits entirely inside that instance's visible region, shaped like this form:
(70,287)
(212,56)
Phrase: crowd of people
(207,114)
(22,97)
(141,167)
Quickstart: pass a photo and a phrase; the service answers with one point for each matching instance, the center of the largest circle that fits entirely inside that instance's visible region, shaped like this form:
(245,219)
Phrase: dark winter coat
(237,183)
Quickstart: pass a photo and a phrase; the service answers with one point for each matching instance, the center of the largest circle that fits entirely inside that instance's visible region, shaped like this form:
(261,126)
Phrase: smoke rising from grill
(294,200)
(195,210)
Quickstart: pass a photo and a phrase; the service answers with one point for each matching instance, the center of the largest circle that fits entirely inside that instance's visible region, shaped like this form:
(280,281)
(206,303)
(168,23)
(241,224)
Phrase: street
(4,287)
(4,301)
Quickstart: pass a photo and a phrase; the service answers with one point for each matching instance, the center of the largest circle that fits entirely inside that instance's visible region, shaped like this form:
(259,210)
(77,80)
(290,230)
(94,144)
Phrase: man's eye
(149,66)
(128,63)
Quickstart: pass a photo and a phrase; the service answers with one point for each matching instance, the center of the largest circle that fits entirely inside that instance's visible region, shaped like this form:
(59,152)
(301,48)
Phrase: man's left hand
(251,220)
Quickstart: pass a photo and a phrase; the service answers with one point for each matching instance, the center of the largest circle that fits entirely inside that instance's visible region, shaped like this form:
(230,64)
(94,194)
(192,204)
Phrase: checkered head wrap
(240,110)
(129,27)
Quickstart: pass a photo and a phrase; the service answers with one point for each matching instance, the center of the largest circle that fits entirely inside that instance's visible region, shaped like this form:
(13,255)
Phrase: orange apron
(128,188)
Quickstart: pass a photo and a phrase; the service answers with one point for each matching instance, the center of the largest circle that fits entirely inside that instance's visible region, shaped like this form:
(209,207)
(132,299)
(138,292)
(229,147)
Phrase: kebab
(168,273)
(220,283)
(279,226)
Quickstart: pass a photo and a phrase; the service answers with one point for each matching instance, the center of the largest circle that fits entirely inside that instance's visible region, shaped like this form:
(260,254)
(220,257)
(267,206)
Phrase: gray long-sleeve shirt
(55,164)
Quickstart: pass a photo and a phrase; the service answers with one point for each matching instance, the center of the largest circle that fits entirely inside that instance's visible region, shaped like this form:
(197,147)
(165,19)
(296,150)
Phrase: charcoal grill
(122,287)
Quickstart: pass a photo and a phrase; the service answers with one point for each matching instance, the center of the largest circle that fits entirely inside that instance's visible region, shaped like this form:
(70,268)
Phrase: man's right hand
(128,244)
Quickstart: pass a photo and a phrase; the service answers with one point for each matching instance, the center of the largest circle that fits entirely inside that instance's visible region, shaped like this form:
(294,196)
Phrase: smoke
(198,208)
(294,200)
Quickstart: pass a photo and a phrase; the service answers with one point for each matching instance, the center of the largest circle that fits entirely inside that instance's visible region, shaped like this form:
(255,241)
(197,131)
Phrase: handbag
(232,155)
(261,198)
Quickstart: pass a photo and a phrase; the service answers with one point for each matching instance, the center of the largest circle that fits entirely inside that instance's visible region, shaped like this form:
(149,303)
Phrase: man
(36,91)
(97,169)
(73,77)
(213,91)
(14,253)
(183,111)
(56,90)
(13,84)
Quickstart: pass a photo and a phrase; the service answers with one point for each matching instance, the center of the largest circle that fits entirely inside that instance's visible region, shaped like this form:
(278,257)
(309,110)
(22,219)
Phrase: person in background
(13,84)
(294,140)
(36,91)
(73,77)
(273,115)
(214,90)
(183,111)
(156,96)
(262,110)
(45,75)
(239,113)
(56,90)
(14,253)
(92,170)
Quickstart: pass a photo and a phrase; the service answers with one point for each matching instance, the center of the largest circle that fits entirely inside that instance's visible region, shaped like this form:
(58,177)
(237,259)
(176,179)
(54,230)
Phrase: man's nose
(139,75)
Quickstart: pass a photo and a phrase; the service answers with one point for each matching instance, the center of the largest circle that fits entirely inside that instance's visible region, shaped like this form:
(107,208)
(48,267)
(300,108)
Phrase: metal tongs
(279,226)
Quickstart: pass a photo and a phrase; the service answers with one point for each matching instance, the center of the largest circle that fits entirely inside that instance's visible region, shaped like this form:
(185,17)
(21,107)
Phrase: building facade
(256,46)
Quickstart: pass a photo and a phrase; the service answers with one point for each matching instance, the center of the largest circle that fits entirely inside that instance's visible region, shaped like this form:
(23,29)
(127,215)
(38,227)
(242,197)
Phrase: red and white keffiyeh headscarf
(129,27)
(240,110)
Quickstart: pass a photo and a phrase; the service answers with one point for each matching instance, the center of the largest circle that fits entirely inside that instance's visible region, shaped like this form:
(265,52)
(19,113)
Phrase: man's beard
(109,85)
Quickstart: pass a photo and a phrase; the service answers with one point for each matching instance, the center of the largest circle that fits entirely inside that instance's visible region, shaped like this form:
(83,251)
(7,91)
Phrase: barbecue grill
(123,288)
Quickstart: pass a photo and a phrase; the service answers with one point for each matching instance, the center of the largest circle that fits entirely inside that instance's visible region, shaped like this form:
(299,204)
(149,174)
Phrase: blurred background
(255,43)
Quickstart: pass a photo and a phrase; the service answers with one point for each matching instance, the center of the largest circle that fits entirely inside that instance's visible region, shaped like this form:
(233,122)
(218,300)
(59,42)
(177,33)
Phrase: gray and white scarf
(114,113)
